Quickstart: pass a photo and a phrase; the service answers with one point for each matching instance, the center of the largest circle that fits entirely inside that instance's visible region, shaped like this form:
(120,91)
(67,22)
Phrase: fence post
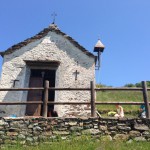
(45,101)
(145,96)
(93,113)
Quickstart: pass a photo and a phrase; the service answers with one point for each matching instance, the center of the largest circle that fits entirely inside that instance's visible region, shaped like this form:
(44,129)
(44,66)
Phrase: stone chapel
(50,55)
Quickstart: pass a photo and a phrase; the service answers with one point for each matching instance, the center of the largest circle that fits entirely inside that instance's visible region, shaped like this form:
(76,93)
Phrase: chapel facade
(50,55)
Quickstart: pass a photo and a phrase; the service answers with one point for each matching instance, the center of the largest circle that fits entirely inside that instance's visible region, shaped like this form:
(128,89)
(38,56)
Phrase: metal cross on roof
(53,15)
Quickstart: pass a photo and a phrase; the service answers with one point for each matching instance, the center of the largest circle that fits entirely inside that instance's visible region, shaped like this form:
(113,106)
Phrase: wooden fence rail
(45,102)
(74,89)
(71,103)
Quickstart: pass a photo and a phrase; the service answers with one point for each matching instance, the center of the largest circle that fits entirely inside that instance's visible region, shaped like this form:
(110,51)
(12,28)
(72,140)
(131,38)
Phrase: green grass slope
(83,143)
(119,96)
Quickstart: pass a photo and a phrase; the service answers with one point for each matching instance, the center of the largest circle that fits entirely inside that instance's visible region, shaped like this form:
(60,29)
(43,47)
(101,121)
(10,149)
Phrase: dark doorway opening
(37,79)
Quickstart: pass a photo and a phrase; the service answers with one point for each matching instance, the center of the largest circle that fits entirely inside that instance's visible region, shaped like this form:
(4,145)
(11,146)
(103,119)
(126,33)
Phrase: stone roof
(44,32)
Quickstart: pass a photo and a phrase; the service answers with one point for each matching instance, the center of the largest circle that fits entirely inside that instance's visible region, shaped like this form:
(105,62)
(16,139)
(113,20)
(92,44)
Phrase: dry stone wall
(35,130)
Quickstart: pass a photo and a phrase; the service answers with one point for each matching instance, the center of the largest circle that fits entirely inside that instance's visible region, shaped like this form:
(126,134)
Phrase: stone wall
(35,130)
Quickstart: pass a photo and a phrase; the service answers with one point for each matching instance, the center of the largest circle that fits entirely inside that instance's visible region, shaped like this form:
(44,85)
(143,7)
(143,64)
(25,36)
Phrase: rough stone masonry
(34,130)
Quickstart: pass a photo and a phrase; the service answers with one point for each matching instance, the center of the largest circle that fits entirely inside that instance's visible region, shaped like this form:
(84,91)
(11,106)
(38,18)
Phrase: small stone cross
(14,82)
(76,74)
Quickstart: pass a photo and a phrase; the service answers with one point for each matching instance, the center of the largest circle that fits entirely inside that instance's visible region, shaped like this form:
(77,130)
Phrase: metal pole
(93,114)
(145,97)
(45,101)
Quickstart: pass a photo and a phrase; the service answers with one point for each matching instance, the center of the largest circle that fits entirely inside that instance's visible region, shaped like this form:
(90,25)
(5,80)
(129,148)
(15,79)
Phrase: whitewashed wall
(53,47)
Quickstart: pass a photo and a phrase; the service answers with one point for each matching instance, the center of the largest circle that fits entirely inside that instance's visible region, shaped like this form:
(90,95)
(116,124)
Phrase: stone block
(146,134)
(91,131)
(3,123)
(103,128)
(141,127)
(12,133)
(134,133)
(87,126)
(30,126)
(81,124)
(22,142)
(75,129)
(37,128)
(63,137)
(62,124)
(113,128)
(113,133)
(119,137)
(62,129)
(46,133)
(16,124)
(29,140)
(21,137)
(72,123)
(138,139)
(2,128)
(2,132)
(61,132)
(124,128)
(14,129)
(106,138)
(96,127)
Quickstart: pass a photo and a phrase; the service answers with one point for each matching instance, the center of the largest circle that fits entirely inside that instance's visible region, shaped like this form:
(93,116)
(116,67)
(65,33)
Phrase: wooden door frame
(41,65)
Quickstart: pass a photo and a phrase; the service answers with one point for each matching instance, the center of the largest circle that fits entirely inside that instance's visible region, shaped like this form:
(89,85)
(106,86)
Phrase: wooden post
(93,113)
(145,96)
(45,101)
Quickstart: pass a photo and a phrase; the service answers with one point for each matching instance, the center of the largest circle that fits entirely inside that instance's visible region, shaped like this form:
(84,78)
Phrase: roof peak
(53,26)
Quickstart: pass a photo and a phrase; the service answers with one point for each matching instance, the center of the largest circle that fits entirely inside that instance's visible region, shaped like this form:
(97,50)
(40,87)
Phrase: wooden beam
(93,112)
(45,101)
(71,103)
(20,89)
(68,103)
(96,103)
(121,103)
(118,89)
(21,103)
(145,97)
(73,89)
(69,89)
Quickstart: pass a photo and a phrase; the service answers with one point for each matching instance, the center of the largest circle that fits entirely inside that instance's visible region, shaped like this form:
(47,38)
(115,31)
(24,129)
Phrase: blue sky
(122,25)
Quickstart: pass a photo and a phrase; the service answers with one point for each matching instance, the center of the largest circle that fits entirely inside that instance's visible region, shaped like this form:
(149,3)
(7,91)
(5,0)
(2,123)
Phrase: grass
(84,143)
(120,96)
